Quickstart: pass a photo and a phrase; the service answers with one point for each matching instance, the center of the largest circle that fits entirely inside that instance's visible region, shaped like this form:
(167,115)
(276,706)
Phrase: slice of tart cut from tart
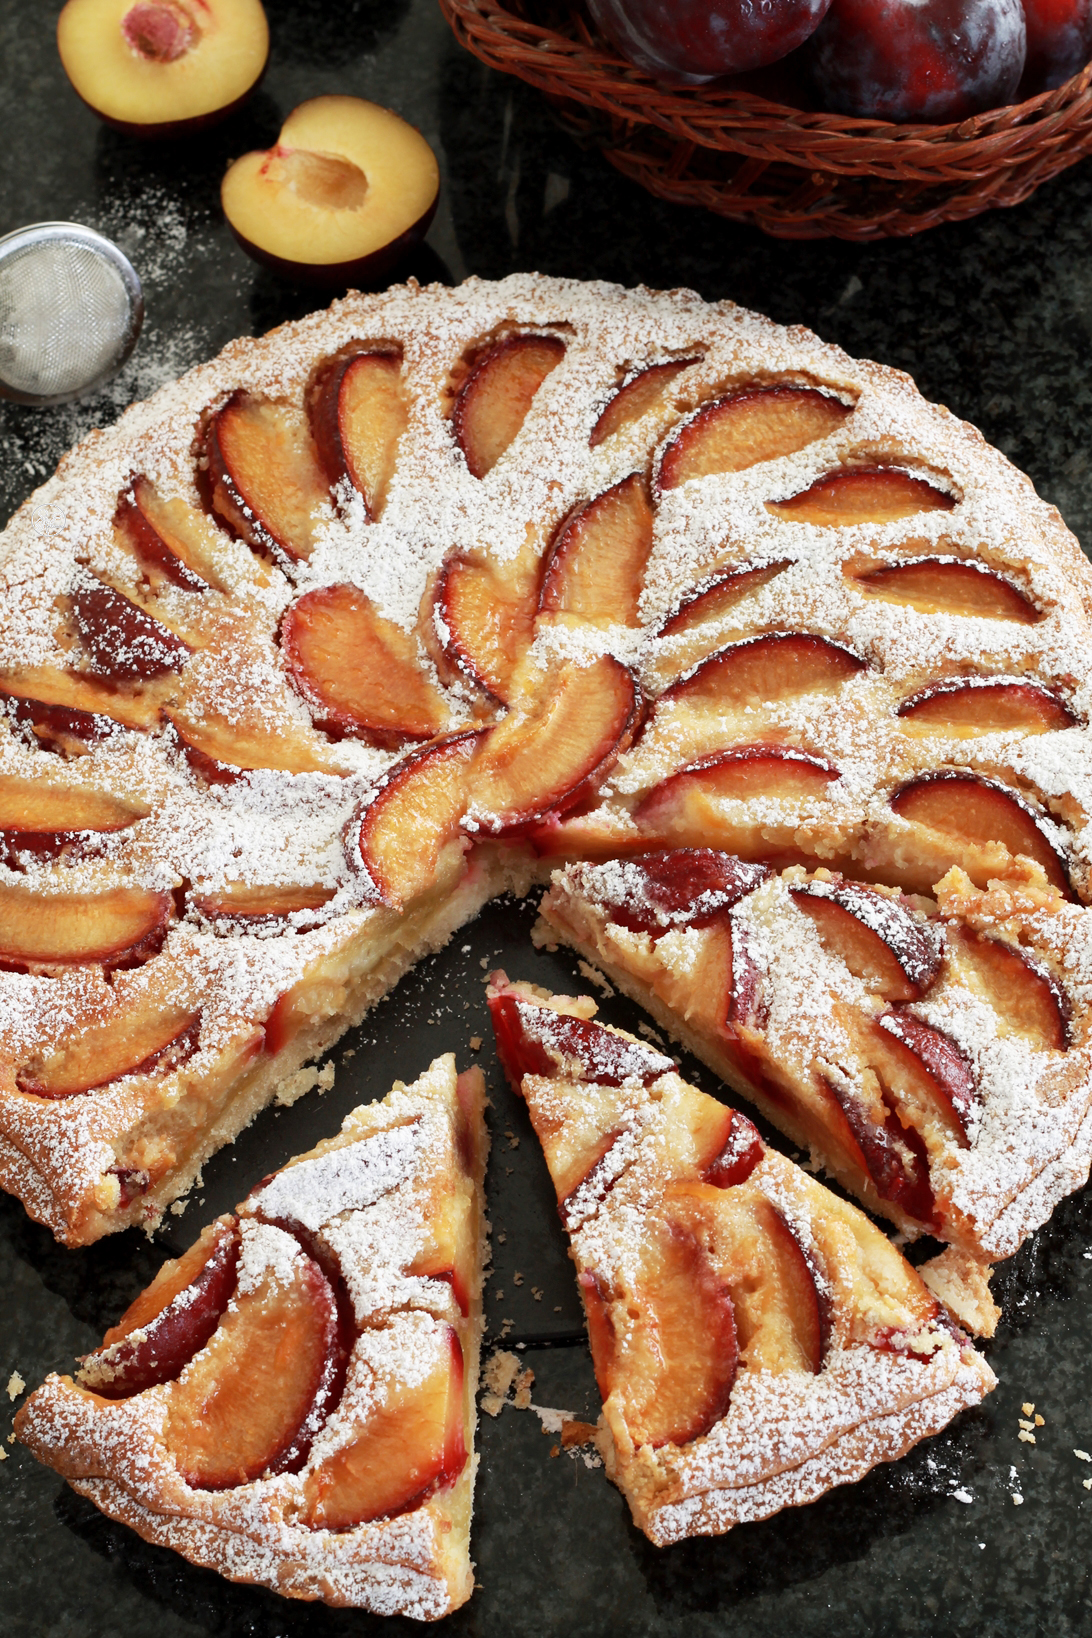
(920,1047)
(292,1402)
(756,1340)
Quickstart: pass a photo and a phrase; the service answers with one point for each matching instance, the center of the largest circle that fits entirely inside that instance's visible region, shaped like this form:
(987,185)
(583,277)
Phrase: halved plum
(875,934)
(758,424)
(410,816)
(358,415)
(963,706)
(163,68)
(545,758)
(596,565)
(171,1320)
(493,403)
(359,672)
(946,585)
(880,494)
(405,1447)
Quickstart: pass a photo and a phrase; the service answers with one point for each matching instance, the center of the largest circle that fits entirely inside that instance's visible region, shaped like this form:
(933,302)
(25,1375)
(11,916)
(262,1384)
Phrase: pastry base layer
(297,1568)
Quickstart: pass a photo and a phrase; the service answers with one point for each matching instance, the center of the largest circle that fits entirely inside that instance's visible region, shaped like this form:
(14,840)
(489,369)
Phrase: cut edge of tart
(859,1021)
(293,1402)
(756,1339)
(146,1134)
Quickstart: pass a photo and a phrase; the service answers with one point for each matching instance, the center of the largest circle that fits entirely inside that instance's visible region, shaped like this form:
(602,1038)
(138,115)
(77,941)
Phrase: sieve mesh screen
(65,317)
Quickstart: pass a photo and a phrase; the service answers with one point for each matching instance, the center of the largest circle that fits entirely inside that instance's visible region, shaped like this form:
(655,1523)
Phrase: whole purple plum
(696,40)
(1059,42)
(933,61)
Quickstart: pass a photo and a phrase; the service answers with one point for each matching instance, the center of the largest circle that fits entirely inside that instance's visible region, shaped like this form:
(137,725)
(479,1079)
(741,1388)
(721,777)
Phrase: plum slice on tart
(744,428)
(318,1347)
(725,1290)
(496,396)
(358,414)
(264,477)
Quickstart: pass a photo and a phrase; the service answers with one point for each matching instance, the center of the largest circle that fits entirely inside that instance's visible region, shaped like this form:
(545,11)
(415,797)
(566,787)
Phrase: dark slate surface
(992,318)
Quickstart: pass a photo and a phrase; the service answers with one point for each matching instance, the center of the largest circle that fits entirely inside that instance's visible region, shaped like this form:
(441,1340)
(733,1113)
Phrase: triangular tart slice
(756,1340)
(292,1402)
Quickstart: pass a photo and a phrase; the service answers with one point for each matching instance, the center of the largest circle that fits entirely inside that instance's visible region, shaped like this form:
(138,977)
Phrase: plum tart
(410,602)
(756,1340)
(292,1402)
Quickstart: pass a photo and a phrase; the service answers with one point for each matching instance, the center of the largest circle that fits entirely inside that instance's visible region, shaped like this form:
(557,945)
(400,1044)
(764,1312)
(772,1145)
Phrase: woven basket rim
(725,117)
(796,173)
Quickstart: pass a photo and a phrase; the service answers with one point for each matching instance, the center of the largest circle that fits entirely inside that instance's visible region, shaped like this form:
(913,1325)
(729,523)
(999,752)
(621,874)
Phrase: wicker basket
(796,174)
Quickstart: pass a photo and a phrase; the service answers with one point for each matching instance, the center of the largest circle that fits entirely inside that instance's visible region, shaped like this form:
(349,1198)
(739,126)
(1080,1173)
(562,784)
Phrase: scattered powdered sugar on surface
(152,230)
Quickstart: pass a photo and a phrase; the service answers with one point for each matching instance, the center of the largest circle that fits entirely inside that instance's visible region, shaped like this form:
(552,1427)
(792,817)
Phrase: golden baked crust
(370,1202)
(220,678)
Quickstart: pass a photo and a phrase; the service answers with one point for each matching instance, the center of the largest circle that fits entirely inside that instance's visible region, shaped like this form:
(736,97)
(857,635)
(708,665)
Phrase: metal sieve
(71,308)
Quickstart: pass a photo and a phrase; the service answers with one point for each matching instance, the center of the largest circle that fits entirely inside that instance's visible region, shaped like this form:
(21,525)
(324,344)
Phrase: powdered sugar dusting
(1026,1130)
(314,1191)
